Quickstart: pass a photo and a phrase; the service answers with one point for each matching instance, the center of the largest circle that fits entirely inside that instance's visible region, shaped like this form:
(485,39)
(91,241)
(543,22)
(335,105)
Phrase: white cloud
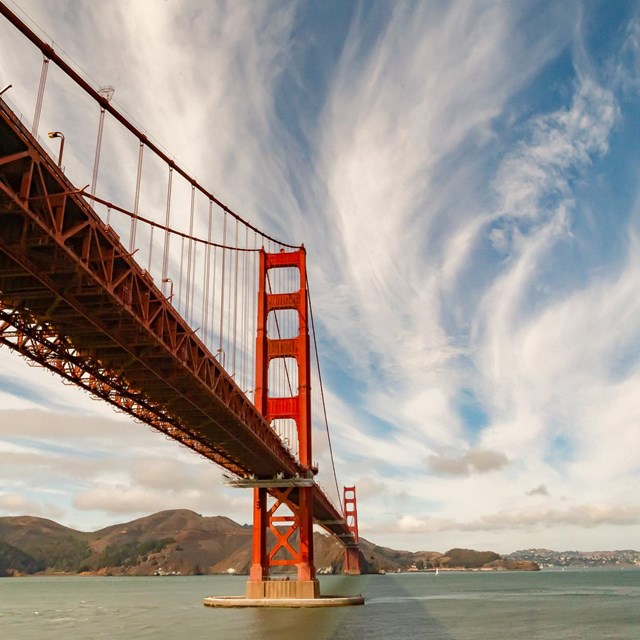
(540,490)
(473,461)
(443,198)
(12,504)
(69,465)
(581,515)
(116,499)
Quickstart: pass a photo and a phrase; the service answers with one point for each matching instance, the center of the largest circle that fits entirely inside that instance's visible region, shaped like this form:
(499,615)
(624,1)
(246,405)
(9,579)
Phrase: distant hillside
(13,560)
(168,541)
(48,543)
(186,542)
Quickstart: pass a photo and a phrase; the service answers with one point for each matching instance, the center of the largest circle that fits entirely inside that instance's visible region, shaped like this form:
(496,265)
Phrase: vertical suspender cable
(40,98)
(194,268)
(230,270)
(190,242)
(96,161)
(150,248)
(207,271)
(235,303)
(224,255)
(254,310)
(213,294)
(181,271)
(136,202)
(245,310)
(165,257)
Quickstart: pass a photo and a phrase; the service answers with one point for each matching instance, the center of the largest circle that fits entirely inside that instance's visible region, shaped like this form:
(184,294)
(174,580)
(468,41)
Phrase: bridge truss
(74,299)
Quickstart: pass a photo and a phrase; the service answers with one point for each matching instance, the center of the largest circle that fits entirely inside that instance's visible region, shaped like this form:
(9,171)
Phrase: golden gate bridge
(175,310)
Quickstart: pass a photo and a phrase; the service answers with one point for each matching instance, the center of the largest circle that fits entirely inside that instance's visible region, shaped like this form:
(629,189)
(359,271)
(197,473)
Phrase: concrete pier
(282,589)
(283,593)
(322,601)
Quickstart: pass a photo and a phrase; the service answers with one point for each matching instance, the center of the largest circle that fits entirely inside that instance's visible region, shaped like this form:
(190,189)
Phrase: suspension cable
(324,404)
(165,227)
(50,54)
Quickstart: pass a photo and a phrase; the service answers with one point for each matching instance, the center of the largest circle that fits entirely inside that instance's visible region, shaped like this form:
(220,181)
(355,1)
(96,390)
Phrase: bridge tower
(283,531)
(352,551)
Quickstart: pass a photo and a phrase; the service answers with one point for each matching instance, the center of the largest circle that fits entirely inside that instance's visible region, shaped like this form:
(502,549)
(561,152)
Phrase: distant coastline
(549,559)
(181,542)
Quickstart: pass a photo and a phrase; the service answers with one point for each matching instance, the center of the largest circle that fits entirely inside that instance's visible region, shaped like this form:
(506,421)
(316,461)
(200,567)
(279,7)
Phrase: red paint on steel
(259,560)
(297,408)
(74,300)
(351,552)
(63,266)
(84,309)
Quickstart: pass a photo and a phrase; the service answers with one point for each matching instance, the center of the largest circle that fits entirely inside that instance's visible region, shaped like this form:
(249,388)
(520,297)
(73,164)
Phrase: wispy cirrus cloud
(397,116)
(442,288)
(462,184)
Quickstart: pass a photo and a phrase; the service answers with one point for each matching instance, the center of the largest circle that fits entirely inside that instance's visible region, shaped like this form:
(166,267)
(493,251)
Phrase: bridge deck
(74,300)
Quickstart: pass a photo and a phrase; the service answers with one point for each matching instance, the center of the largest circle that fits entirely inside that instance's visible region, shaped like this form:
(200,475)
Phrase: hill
(13,560)
(48,544)
(186,542)
(552,559)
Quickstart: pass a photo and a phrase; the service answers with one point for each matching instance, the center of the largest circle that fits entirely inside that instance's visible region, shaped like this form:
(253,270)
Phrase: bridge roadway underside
(74,300)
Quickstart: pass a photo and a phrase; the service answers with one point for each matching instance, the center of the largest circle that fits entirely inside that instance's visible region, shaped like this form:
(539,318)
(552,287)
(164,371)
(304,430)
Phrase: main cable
(324,404)
(164,227)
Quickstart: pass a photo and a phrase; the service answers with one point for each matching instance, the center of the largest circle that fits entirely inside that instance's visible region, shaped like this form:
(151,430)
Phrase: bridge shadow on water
(395,608)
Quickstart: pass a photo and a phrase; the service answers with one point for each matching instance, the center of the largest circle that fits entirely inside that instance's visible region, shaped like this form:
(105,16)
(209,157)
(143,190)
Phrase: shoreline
(96,574)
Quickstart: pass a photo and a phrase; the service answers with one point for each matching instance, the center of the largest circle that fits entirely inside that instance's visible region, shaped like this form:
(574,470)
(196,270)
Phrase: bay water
(592,604)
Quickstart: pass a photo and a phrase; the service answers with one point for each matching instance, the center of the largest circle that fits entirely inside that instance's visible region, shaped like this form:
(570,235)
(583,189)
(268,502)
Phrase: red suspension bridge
(174,309)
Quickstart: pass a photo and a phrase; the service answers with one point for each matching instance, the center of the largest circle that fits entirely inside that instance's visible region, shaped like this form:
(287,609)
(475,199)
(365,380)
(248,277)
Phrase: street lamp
(58,134)
(169,281)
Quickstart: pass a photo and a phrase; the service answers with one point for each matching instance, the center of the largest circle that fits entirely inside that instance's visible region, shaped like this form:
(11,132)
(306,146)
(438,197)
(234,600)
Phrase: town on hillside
(565,559)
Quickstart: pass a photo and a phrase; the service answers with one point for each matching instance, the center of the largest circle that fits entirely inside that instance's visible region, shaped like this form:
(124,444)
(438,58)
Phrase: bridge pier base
(228,602)
(277,589)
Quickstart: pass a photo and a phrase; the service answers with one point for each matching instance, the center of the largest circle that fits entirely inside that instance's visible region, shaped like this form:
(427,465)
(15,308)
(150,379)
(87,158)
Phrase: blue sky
(465,179)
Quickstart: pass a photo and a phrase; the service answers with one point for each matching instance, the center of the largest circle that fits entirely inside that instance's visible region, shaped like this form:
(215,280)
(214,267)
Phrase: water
(549,605)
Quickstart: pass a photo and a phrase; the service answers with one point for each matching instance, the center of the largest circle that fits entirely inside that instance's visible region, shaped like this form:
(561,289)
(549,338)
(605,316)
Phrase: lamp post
(169,281)
(58,134)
